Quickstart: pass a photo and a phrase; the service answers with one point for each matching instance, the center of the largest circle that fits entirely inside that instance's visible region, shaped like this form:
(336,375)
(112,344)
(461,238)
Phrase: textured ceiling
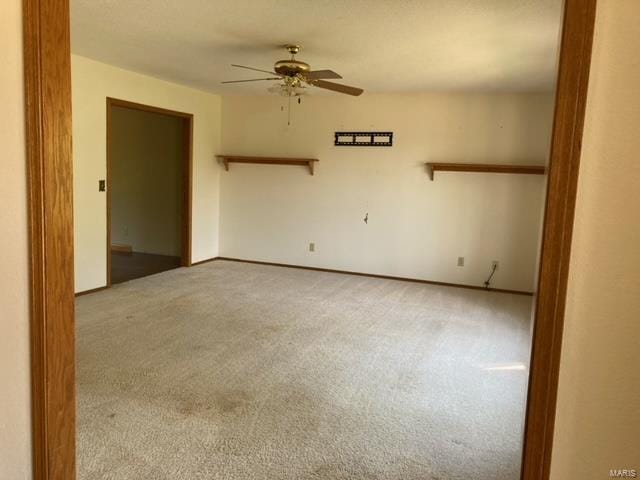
(379,45)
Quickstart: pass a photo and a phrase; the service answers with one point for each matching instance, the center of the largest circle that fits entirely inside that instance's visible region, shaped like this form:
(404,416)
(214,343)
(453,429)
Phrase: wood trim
(187,190)
(116,102)
(93,290)
(48,115)
(47,71)
(200,262)
(373,275)
(108,199)
(303,162)
(123,249)
(187,175)
(571,98)
(484,168)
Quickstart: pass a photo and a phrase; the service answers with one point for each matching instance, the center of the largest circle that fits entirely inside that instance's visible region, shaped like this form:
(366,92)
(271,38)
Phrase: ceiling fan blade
(254,69)
(319,74)
(337,87)
(252,80)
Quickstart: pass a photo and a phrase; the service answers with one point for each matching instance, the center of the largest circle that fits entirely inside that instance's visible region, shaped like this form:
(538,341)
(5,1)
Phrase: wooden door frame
(187,174)
(48,130)
(553,272)
(47,77)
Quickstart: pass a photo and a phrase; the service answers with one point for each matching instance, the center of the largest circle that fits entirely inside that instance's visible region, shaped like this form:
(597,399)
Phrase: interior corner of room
(345,223)
(274,213)
(390,372)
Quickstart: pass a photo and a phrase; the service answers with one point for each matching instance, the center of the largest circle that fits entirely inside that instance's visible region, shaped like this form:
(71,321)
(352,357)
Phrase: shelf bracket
(430,171)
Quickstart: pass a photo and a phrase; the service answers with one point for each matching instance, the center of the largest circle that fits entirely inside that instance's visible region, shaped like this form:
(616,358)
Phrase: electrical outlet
(495,264)
(312,247)
(461,261)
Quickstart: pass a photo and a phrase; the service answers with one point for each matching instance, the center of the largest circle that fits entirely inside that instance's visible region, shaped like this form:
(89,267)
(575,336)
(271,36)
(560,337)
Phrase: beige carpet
(238,371)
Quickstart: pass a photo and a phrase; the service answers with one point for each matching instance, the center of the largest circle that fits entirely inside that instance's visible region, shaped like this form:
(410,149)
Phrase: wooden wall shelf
(484,168)
(305,162)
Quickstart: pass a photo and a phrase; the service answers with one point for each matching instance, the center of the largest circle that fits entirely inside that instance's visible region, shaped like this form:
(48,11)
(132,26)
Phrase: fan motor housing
(291,68)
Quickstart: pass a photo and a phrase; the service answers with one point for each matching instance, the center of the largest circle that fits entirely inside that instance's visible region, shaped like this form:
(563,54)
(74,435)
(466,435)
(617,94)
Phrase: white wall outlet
(312,247)
(495,264)
(461,261)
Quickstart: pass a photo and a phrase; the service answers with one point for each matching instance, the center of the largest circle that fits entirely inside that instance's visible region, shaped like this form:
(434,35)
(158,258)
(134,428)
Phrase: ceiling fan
(297,76)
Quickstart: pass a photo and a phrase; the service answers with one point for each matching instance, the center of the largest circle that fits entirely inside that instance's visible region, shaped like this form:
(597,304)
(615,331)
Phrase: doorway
(148,190)
(47,82)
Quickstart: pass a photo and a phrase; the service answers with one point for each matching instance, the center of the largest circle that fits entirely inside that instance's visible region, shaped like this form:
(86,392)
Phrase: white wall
(15,407)
(417,228)
(597,417)
(598,413)
(92,82)
(146,181)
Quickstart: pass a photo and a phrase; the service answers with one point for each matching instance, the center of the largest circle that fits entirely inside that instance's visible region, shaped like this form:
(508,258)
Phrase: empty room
(319,240)
(307,236)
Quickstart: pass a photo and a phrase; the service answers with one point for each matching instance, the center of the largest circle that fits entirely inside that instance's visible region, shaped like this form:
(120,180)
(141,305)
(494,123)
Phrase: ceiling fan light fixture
(296,76)
(298,90)
(288,90)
